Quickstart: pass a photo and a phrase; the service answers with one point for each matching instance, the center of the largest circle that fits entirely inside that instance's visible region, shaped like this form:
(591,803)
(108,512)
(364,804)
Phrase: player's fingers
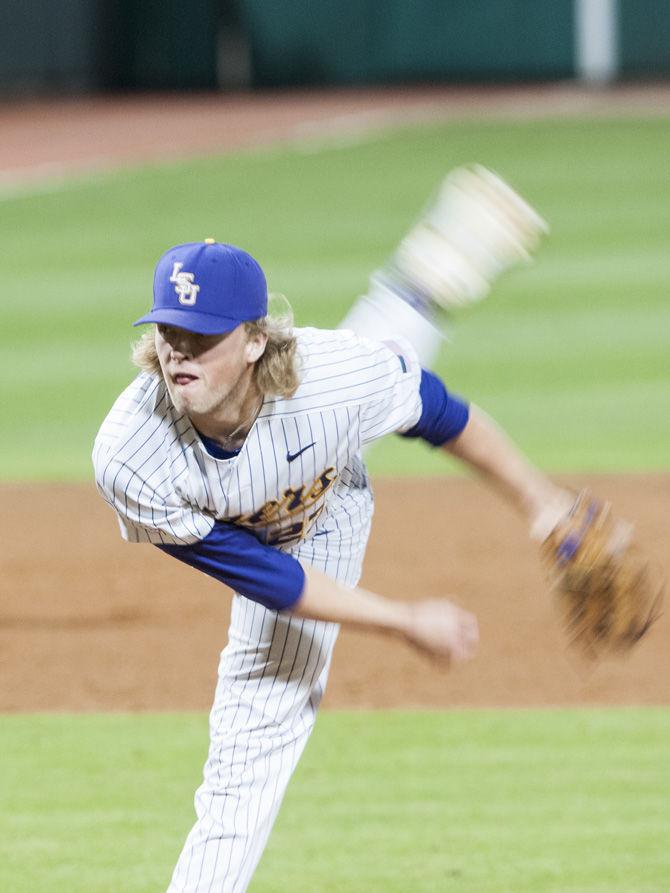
(459,639)
(471,631)
(465,647)
(443,630)
(468,637)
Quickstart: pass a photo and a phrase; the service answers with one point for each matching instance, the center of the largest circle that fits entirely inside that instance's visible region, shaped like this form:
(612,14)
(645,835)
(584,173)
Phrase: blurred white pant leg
(384,315)
(474,228)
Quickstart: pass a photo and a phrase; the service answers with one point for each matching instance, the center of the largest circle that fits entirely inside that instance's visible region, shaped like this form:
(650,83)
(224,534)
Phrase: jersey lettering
(278,511)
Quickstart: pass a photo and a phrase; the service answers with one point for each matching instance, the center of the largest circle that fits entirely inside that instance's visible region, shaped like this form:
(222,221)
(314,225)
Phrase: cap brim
(200,323)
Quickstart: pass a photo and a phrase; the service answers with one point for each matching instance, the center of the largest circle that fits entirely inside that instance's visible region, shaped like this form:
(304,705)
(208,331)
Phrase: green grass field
(474,802)
(570,355)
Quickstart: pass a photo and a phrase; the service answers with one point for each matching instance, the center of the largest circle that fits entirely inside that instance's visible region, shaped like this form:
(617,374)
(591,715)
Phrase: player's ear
(255,346)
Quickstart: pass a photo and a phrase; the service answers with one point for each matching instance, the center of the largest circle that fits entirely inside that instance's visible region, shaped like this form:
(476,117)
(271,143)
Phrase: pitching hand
(442,629)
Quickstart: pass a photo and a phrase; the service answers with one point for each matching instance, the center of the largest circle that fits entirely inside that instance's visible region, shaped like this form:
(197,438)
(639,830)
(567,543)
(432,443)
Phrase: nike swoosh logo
(291,456)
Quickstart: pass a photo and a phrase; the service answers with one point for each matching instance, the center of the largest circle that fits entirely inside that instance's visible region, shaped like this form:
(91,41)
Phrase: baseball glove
(608,593)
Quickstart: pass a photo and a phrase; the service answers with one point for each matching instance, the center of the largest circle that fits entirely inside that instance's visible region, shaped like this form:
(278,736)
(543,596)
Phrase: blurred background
(109,45)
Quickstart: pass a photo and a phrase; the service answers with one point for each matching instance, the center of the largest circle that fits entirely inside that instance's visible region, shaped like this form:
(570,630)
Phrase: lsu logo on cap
(184,285)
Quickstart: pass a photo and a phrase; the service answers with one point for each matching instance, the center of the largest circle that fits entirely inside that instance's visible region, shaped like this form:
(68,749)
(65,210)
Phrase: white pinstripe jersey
(298,482)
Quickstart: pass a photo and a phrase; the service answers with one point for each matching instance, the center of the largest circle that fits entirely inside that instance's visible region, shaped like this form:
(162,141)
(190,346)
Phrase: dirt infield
(88,622)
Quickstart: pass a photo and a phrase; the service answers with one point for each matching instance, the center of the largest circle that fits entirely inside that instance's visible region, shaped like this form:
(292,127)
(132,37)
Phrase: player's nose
(180,347)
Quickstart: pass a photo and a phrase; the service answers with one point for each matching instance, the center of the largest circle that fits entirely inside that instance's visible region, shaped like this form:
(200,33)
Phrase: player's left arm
(467,433)
(486,448)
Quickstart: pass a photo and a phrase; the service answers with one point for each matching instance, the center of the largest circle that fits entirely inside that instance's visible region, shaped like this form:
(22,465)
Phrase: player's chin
(187,398)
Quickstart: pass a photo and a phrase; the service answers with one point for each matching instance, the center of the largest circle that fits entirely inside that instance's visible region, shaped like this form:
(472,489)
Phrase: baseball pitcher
(238,450)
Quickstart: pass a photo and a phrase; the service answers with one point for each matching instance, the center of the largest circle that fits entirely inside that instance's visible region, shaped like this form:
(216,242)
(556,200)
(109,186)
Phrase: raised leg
(475,229)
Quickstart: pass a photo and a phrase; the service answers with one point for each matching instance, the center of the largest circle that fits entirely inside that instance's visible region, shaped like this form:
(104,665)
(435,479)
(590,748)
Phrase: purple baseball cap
(207,287)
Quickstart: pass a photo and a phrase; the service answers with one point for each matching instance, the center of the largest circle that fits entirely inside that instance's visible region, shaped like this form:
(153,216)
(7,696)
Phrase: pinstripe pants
(272,676)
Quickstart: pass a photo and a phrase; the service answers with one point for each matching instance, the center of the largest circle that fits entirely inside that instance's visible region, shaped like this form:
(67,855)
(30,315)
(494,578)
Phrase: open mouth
(183,379)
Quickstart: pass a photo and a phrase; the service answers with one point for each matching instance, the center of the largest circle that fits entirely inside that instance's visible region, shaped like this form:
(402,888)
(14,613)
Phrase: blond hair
(276,372)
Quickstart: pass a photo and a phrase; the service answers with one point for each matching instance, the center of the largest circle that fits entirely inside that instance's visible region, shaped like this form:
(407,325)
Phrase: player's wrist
(401,618)
(548,512)
(386,614)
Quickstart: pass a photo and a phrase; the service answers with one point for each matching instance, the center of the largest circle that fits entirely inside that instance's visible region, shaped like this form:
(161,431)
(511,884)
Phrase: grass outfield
(570,355)
(474,802)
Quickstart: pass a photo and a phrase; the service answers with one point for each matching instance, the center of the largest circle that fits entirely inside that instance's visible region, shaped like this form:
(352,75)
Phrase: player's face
(204,372)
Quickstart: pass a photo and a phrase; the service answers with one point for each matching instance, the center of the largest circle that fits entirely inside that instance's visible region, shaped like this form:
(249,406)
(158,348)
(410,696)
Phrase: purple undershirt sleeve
(443,415)
(235,557)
